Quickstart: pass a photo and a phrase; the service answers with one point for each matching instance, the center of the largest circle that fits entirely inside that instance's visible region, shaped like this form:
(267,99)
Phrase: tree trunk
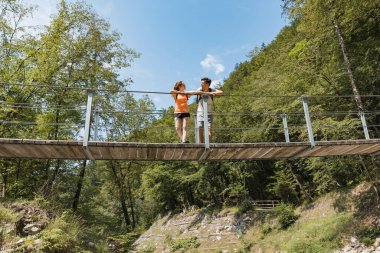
(46,188)
(79,186)
(304,192)
(4,181)
(132,205)
(130,193)
(122,197)
(18,169)
(347,62)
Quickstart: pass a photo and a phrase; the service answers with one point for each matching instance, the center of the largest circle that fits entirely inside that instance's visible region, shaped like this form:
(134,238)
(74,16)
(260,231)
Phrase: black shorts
(181,115)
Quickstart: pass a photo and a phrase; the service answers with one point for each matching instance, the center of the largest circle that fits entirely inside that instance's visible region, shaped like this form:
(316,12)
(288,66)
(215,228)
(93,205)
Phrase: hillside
(334,221)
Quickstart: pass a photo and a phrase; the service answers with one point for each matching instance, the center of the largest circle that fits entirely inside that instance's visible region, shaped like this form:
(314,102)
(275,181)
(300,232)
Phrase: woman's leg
(184,128)
(178,123)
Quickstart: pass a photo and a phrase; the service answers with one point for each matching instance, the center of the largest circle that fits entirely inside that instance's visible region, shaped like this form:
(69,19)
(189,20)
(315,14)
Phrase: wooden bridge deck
(74,150)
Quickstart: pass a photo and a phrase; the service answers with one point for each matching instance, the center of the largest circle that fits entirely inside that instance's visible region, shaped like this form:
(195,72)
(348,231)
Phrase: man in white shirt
(205,91)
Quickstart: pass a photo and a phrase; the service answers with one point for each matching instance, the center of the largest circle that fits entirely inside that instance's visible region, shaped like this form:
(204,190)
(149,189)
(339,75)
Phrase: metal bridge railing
(92,130)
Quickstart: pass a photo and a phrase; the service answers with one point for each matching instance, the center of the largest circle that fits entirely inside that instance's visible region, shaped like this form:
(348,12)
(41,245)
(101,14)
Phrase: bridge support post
(286,130)
(205,129)
(86,136)
(364,124)
(205,122)
(96,124)
(196,129)
(308,121)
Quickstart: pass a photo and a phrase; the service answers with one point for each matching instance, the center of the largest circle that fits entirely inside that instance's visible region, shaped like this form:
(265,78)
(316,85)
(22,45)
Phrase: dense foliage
(330,47)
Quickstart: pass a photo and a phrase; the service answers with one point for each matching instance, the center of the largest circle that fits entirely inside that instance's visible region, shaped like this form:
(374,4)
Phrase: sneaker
(185,142)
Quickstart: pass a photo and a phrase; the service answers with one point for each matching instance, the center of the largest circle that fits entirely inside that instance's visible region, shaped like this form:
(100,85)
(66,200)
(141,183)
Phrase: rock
(32,229)
(30,248)
(21,241)
(353,240)
(37,241)
(35,230)
(7,228)
(347,248)
(377,243)
(29,226)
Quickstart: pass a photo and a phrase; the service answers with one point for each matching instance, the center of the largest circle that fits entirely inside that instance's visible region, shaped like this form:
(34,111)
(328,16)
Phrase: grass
(7,216)
(182,244)
(318,235)
(62,234)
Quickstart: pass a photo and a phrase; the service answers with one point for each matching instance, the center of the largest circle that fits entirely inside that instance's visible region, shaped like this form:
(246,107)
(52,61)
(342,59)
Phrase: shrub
(285,215)
(245,206)
(368,235)
(7,215)
(61,235)
(123,243)
(185,243)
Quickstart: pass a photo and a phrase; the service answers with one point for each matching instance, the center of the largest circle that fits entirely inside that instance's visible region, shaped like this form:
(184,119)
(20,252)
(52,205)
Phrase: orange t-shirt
(181,105)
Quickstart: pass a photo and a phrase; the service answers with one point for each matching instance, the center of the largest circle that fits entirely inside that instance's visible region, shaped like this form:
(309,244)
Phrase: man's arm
(217,92)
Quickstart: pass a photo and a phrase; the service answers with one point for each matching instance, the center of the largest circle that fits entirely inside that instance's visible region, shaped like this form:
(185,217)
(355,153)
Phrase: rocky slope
(228,231)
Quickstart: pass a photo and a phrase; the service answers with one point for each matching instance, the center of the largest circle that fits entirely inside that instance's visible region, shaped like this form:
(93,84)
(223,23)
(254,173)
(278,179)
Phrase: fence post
(308,121)
(205,121)
(196,129)
(364,124)
(86,136)
(286,130)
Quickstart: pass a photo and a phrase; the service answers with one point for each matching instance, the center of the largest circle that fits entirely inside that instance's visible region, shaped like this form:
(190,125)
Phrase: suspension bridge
(93,142)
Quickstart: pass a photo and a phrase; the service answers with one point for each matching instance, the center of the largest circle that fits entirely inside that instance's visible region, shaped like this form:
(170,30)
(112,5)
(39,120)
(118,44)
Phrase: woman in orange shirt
(181,112)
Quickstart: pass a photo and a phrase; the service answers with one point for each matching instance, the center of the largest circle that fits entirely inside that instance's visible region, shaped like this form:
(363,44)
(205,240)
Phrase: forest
(330,52)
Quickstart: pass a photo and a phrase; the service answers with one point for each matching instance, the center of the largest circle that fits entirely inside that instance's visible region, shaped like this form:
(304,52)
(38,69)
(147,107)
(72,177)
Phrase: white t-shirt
(200,104)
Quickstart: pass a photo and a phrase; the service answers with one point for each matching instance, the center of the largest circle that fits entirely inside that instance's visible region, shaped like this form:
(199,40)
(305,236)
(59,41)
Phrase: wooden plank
(249,154)
(234,153)
(308,152)
(142,153)
(190,154)
(218,153)
(332,150)
(370,149)
(278,152)
(75,151)
(29,151)
(66,152)
(266,153)
(4,153)
(178,154)
(56,151)
(289,152)
(151,153)
(126,153)
(326,151)
(105,152)
(160,153)
(64,149)
(15,150)
(96,152)
(169,153)
(348,149)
